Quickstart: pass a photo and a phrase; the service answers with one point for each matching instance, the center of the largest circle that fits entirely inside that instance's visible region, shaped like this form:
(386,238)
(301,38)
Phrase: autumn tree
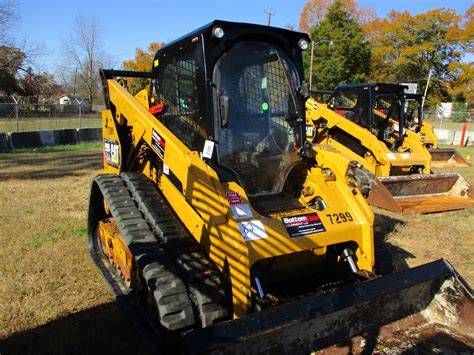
(407,47)
(32,86)
(11,61)
(347,60)
(462,84)
(142,62)
(314,11)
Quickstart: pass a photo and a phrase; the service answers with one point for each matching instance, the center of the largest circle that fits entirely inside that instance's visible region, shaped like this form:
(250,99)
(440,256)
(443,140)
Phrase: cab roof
(235,28)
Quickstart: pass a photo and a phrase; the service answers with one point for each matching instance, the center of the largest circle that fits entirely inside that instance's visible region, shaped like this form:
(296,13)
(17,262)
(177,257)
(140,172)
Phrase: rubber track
(169,291)
(201,276)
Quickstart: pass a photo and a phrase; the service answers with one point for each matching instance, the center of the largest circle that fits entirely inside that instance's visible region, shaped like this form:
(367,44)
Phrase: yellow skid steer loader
(367,123)
(440,157)
(220,229)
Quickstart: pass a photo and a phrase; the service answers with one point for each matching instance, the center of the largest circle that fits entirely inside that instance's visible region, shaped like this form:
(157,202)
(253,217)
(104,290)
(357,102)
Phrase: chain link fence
(18,117)
(452,120)
(36,117)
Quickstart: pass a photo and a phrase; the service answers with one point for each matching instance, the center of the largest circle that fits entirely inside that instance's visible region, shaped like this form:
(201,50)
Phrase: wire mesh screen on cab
(258,144)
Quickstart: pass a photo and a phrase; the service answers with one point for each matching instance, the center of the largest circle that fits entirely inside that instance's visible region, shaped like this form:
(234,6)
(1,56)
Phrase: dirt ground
(52,298)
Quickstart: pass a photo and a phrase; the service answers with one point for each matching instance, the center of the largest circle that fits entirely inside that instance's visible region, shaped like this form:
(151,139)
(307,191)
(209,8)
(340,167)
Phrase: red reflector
(158,108)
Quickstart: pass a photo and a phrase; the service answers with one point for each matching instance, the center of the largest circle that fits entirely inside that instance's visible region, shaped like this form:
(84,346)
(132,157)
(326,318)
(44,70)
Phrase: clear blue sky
(129,24)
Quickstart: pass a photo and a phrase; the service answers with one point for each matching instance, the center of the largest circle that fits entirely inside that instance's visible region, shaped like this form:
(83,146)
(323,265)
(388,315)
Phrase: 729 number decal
(342,217)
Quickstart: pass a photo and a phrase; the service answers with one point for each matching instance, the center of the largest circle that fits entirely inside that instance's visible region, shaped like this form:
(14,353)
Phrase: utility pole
(313,44)
(311,66)
(426,90)
(75,78)
(269,14)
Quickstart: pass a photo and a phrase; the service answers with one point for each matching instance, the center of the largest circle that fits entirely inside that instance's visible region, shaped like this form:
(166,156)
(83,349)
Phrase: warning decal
(239,208)
(300,225)
(158,143)
(252,230)
(234,198)
(112,152)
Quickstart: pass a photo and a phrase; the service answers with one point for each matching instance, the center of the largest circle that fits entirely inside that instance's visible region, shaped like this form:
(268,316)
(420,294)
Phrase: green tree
(347,60)
(460,113)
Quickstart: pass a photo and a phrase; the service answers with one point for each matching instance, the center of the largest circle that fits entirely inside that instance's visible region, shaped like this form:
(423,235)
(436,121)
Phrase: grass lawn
(38,124)
(454,126)
(417,239)
(52,297)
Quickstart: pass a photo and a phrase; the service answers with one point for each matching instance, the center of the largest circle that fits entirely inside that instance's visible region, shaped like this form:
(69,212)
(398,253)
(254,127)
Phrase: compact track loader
(221,229)
(440,157)
(367,122)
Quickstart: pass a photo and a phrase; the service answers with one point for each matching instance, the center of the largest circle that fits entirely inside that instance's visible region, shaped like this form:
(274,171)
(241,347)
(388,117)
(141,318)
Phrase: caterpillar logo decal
(304,224)
(112,152)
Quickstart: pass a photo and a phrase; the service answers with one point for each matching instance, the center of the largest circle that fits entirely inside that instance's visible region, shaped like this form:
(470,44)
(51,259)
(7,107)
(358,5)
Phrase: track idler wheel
(116,250)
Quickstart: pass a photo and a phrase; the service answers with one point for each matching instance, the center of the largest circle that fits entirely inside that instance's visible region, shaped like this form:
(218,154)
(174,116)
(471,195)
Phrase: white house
(74,102)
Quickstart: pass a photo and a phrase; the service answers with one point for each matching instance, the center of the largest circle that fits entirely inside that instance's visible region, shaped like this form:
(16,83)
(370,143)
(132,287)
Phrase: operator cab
(377,107)
(240,86)
(413,111)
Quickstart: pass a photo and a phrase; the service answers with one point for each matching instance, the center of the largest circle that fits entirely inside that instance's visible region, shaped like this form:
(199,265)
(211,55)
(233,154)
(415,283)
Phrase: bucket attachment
(447,158)
(428,308)
(421,193)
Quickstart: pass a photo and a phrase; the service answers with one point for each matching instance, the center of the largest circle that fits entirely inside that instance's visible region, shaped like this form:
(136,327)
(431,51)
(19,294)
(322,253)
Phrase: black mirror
(303,90)
(224,110)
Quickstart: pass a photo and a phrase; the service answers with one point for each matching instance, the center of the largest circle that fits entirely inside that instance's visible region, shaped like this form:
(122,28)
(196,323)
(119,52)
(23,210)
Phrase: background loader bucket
(445,158)
(421,193)
(428,308)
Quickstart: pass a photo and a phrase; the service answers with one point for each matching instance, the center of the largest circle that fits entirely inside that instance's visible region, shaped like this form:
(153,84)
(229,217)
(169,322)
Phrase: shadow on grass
(99,330)
(383,226)
(49,166)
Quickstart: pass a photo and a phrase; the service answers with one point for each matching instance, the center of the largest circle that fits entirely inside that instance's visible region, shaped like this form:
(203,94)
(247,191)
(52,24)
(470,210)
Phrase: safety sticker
(300,225)
(405,156)
(208,149)
(391,156)
(166,169)
(240,209)
(252,230)
(234,198)
(112,152)
(158,143)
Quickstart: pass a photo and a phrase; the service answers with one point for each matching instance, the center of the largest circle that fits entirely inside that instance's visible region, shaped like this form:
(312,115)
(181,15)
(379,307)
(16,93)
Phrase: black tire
(365,179)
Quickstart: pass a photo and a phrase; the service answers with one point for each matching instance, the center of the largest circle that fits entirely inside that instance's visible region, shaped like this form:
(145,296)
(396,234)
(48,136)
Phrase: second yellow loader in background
(367,122)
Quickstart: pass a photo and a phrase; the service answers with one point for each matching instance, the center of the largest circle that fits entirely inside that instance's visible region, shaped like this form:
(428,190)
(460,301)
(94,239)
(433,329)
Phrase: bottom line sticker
(303,224)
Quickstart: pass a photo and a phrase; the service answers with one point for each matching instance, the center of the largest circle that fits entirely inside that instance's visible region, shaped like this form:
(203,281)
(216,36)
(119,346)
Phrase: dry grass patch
(418,239)
(47,274)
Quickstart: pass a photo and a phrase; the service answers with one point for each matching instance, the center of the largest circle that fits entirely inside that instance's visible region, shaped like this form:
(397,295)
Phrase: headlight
(218,32)
(303,44)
